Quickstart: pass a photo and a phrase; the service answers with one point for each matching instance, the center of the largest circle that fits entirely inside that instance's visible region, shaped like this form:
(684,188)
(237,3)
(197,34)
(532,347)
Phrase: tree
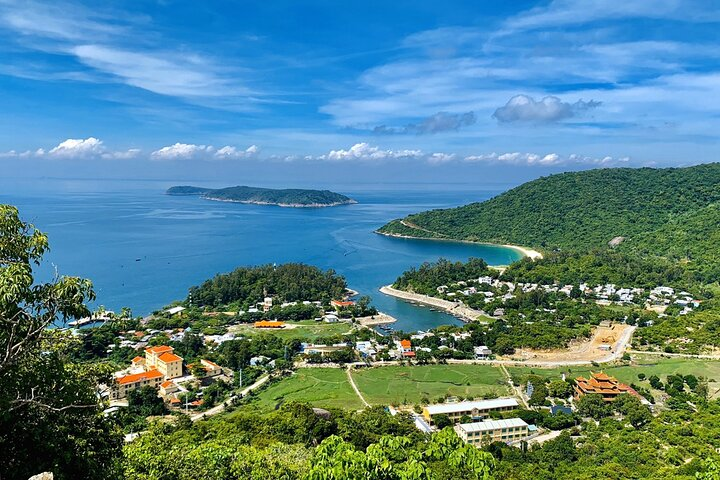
(441,421)
(48,408)
(593,405)
(655,382)
(632,408)
(145,402)
(560,389)
(540,393)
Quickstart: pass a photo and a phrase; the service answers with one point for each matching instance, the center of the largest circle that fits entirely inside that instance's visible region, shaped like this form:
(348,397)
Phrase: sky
(320,90)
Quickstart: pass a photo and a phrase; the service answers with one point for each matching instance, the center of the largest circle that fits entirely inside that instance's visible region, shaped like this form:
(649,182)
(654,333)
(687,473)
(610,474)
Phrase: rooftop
(468,406)
(489,425)
(159,349)
(169,357)
(138,377)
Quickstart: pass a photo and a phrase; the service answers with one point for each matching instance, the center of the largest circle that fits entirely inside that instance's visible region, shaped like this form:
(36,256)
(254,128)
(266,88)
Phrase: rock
(42,476)
(616,241)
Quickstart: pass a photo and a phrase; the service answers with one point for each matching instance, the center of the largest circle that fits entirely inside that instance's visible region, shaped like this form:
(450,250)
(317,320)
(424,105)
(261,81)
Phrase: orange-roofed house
(603,384)
(138,361)
(168,387)
(124,385)
(269,324)
(162,358)
(342,303)
(404,348)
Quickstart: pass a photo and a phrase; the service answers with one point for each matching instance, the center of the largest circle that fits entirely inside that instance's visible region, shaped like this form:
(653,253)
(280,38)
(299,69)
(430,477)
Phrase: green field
(308,330)
(407,385)
(322,387)
(647,364)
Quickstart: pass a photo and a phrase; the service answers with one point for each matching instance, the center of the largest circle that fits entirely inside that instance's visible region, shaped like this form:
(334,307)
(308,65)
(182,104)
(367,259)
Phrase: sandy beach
(526,252)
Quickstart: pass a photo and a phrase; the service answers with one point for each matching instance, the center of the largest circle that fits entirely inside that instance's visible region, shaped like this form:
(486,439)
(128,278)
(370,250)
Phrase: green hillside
(669,212)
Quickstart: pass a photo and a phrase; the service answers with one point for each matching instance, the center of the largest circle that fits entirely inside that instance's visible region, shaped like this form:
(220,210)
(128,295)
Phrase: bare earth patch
(586,350)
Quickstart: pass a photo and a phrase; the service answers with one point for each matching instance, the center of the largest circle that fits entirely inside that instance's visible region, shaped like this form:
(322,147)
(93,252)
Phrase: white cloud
(180,151)
(77,148)
(188,151)
(550,159)
(437,158)
(120,48)
(228,152)
(159,72)
(365,151)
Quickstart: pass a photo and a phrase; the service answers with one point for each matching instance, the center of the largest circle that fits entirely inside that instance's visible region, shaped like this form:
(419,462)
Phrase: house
(162,358)
(330,318)
(212,369)
(404,349)
(269,324)
(167,388)
(309,349)
(482,352)
(174,310)
(488,431)
(602,384)
(259,360)
(266,304)
(476,410)
(366,348)
(126,384)
(342,303)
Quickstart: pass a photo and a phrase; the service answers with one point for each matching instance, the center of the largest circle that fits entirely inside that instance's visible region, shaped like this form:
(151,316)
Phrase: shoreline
(284,205)
(456,309)
(524,251)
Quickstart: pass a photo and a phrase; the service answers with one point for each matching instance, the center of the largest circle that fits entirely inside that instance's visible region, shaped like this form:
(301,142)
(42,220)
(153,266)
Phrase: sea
(143,249)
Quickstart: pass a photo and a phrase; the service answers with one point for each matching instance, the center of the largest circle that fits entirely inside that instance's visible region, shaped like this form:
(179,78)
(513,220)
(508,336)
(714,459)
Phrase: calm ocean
(144,249)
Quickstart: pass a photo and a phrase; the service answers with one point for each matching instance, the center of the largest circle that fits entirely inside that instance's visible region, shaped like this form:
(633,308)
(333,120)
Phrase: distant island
(289,197)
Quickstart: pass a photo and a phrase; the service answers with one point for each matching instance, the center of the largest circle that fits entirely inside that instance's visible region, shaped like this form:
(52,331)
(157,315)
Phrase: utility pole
(240,375)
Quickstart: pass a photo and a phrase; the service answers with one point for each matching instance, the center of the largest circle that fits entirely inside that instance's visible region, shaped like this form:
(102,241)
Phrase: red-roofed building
(163,358)
(602,384)
(342,303)
(127,383)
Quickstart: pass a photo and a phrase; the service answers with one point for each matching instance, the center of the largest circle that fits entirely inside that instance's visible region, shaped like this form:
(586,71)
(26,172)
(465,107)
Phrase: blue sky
(288,87)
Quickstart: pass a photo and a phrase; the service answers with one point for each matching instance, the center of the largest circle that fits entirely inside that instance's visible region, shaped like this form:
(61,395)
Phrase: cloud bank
(523,108)
(437,123)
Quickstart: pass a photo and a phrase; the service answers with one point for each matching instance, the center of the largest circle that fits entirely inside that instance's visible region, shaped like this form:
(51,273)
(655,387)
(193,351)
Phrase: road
(678,355)
(221,408)
(352,384)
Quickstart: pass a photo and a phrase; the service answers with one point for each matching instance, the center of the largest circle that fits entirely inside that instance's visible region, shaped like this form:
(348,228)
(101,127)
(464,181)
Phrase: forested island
(289,197)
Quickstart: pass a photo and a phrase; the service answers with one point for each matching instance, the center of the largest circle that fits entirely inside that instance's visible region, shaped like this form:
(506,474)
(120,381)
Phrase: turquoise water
(144,249)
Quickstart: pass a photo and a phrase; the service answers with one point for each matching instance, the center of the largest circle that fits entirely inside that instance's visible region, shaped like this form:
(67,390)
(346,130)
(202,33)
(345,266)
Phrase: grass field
(407,385)
(322,387)
(647,364)
(308,330)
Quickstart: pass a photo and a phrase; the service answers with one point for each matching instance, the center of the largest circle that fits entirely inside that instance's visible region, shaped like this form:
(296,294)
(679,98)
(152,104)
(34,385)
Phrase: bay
(143,249)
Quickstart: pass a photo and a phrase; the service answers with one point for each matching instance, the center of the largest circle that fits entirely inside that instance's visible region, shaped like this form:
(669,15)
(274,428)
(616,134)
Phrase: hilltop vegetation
(669,212)
(291,197)
(290,282)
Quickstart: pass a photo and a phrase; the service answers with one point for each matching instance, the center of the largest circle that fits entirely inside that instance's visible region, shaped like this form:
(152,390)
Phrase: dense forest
(297,442)
(657,212)
(599,267)
(289,282)
(284,197)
